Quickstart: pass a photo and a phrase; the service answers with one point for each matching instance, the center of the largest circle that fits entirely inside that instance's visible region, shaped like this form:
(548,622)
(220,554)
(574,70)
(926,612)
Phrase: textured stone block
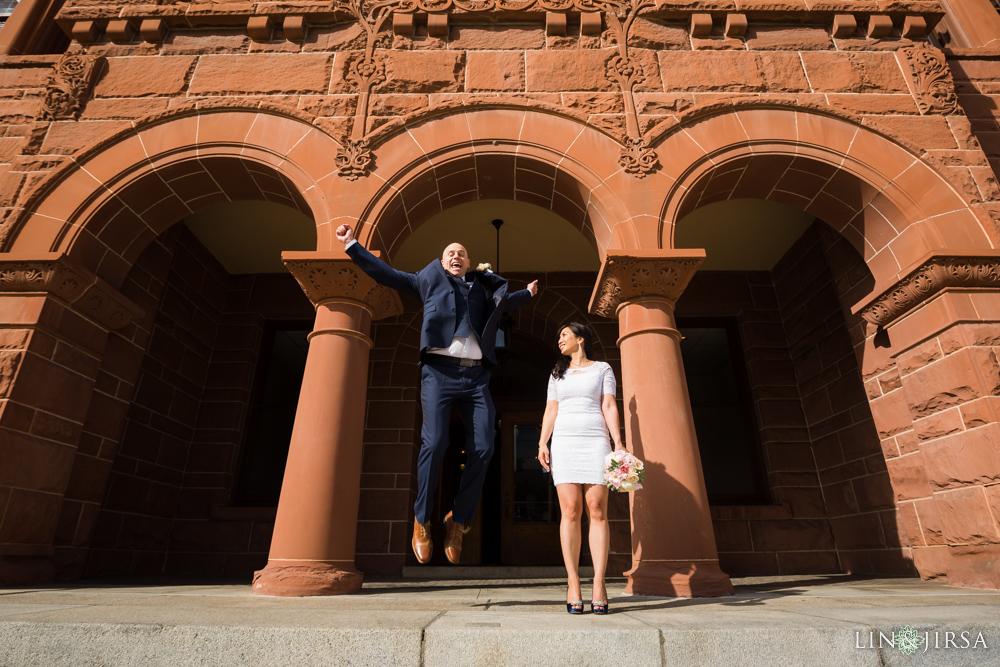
(787,38)
(494,71)
(909,477)
(854,72)
(254,74)
(558,71)
(145,76)
(964,458)
(423,72)
(960,377)
(966,516)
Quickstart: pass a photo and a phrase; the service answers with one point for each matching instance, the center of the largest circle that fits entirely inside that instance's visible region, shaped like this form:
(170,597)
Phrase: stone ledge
(200,15)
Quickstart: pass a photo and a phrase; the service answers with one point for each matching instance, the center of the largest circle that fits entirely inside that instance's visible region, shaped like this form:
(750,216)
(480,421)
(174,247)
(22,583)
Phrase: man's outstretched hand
(532,286)
(345,234)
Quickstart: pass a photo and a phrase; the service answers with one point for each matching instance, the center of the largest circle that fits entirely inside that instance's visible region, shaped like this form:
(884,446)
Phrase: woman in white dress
(579,414)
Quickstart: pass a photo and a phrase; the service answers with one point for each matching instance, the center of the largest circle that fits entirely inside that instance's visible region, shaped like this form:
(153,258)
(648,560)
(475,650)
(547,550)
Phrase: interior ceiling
(531,239)
(737,235)
(742,234)
(249,236)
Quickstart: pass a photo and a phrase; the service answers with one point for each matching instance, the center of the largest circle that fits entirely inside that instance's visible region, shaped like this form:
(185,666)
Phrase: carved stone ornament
(930,80)
(629,275)
(69,87)
(929,279)
(332,275)
(637,158)
(55,274)
(354,159)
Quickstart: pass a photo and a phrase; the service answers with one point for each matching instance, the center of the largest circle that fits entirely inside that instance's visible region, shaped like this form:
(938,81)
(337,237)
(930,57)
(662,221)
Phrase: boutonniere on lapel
(485,266)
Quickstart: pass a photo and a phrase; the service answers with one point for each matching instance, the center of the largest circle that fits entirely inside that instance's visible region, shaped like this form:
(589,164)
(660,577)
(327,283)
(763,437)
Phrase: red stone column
(938,413)
(312,549)
(54,322)
(673,544)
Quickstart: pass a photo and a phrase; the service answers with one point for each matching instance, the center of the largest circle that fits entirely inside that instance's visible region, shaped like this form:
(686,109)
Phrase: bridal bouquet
(623,472)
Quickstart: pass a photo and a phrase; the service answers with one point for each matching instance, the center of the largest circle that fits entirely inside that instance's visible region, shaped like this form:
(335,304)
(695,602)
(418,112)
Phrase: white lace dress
(580,438)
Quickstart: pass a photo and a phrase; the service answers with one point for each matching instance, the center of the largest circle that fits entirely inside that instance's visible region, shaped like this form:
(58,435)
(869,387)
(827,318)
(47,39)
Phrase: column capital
(56,274)
(628,275)
(326,275)
(974,269)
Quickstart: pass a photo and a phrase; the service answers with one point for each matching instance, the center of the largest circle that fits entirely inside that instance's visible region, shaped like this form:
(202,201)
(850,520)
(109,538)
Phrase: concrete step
(770,622)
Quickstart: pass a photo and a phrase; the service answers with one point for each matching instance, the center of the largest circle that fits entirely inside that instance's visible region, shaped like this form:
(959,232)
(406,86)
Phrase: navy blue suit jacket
(488,300)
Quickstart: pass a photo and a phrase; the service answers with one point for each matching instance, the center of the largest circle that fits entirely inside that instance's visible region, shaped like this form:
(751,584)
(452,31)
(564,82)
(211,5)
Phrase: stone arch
(890,204)
(434,162)
(115,197)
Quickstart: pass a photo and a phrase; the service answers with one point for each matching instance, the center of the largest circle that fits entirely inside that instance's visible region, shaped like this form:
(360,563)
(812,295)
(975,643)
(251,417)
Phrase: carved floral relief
(928,280)
(325,278)
(61,279)
(69,87)
(366,72)
(624,278)
(930,80)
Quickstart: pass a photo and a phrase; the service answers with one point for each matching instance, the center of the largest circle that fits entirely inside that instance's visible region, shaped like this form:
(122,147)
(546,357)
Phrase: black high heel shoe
(575,607)
(598,607)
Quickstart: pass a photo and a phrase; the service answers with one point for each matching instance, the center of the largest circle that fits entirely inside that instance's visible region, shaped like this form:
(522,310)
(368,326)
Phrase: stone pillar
(976,23)
(54,322)
(673,543)
(938,413)
(312,549)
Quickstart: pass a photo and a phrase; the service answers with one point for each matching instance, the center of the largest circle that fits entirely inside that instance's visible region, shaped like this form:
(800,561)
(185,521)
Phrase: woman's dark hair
(580,331)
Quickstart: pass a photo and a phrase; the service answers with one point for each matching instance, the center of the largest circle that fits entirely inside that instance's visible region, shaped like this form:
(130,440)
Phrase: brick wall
(792,534)
(816,283)
(134,526)
(211,532)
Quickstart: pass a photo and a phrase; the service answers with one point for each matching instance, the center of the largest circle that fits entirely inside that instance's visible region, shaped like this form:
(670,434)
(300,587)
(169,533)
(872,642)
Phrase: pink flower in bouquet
(623,472)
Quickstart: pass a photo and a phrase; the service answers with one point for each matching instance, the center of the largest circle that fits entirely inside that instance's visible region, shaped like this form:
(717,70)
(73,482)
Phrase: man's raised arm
(521,297)
(376,269)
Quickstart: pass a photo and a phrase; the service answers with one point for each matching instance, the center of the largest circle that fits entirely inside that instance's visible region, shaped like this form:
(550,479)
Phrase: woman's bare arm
(609,406)
(548,422)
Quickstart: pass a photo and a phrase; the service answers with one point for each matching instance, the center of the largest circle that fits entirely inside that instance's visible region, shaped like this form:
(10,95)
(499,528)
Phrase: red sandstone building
(781,219)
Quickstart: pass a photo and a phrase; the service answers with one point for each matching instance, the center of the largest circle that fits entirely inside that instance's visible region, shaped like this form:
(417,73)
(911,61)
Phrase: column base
(305,578)
(686,579)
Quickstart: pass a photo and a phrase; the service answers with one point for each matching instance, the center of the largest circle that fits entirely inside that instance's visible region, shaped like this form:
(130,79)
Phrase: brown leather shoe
(423,547)
(453,539)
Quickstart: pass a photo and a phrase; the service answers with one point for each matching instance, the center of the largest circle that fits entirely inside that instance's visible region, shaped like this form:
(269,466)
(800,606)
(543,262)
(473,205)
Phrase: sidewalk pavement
(772,621)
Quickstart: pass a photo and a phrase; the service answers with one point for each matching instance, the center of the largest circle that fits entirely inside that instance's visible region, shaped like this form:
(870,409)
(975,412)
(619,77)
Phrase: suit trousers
(467,388)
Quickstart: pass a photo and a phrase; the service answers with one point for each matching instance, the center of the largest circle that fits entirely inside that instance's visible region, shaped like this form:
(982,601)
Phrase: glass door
(529,506)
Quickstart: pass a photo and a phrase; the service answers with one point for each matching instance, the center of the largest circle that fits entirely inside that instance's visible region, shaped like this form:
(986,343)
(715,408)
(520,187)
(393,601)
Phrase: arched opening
(213,373)
(776,291)
(181,451)
(519,512)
